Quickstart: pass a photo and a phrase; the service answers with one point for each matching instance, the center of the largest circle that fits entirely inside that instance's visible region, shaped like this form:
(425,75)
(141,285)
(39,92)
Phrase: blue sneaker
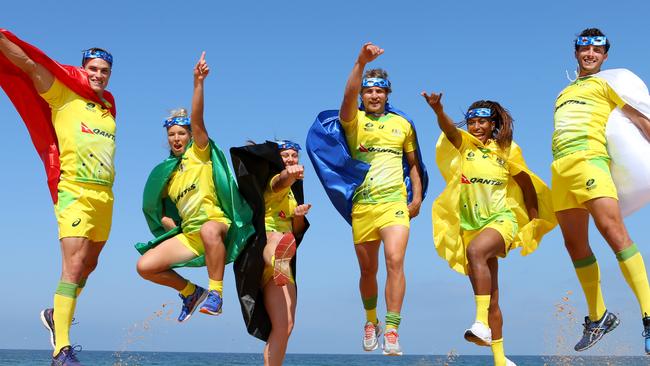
(67,356)
(594,331)
(191,302)
(47,318)
(212,306)
(646,334)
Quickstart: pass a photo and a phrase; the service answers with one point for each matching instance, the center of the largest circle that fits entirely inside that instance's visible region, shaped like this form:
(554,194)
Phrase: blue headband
(478,112)
(180,121)
(378,82)
(591,40)
(88,54)
(286,144)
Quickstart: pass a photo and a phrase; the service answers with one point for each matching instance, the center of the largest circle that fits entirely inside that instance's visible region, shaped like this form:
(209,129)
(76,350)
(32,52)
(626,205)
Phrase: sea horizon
(29,357)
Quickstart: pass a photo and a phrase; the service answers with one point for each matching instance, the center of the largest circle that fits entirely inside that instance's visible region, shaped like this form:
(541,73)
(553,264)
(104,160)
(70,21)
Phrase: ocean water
(105,358)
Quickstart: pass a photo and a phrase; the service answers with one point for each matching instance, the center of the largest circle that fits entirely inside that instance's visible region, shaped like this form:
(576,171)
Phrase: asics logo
(76,222)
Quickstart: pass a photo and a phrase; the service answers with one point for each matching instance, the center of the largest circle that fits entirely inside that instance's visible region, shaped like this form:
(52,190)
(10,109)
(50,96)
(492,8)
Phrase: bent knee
(213,233)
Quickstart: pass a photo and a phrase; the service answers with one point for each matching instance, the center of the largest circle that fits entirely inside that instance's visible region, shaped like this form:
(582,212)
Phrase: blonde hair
(178,112)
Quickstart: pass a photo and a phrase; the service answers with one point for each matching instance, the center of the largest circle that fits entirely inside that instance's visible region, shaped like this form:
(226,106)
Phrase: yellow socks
(188,289)
(216,286)
(65,300)
(370,305)
(633,268)
(482,308)
(589,276)
(497,351)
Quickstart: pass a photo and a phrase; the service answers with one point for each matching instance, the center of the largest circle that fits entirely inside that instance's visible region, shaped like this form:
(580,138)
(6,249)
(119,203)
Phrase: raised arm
(530,196)
(639,119)
(199,133)
(349,106)
(287,177)
(41,77)
(446,124)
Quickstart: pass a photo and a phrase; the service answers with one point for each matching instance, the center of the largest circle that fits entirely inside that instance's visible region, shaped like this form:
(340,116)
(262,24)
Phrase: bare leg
(280,302)
(155,264)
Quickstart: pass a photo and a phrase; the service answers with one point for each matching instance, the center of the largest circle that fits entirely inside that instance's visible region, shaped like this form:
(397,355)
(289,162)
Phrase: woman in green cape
(204,225)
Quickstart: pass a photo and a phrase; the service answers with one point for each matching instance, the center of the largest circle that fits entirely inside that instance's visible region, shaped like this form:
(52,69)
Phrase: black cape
(253,166)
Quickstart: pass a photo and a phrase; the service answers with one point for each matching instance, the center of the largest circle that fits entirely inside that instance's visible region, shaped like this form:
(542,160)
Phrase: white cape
(627,146)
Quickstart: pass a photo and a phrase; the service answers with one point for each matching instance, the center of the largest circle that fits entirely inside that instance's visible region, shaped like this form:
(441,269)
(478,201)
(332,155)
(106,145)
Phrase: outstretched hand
(369,52)
(201,70)
(434,100)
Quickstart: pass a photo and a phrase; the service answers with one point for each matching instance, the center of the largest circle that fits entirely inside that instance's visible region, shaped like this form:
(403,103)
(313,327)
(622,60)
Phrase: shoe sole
(47,326)
(284,252)
(208,312)
(390,353)
(471,337)
(199,301)
(616,323)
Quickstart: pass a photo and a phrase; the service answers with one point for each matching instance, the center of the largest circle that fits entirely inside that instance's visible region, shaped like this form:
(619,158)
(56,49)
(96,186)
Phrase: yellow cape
(446,215)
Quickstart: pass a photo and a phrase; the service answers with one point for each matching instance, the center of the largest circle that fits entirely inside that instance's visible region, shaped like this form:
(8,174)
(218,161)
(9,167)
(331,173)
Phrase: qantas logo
(96,131)
(185,191)
(378,149)
(85,129)
(282,215)
(491,182)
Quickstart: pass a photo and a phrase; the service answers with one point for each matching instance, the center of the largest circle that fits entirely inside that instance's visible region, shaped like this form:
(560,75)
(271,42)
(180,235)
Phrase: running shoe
(480,334)
(371,333)
(646,334)
(391,343)
(191,302)
(594,331)
(212,305)
(510,363)
(47,318)
(284,252)
(67,356)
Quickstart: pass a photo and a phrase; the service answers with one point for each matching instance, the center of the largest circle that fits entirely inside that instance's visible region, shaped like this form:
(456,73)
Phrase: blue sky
(274,66)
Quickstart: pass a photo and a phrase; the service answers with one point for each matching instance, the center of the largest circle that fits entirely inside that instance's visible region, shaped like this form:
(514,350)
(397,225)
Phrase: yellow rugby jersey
(86,135)
(380,142)
(279,208)
(581,113)
(484,181)
(191,188)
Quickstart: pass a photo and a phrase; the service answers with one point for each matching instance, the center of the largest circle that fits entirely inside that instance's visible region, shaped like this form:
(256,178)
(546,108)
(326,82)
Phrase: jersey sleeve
(410,143)
(353,122)
(57,96)
(613,96)
(202,154)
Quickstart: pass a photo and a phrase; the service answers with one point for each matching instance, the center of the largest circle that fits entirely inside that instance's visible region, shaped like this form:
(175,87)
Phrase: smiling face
(374,99)
(590,58)
(178,137)
(289,157)
(481,128)
(99,71)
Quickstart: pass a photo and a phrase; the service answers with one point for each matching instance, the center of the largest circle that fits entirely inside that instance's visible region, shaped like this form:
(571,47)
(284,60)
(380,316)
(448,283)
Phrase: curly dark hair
(592,32)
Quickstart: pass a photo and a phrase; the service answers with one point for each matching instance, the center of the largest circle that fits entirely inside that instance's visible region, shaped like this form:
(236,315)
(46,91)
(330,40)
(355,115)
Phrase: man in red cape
(71,121)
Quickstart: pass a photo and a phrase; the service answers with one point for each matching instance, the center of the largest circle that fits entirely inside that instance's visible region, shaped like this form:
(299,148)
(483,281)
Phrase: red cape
(35,111)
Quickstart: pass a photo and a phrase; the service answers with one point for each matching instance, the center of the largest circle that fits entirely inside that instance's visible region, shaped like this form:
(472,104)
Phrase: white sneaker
(510,363)
(480,334)
(371,333)
(391,343)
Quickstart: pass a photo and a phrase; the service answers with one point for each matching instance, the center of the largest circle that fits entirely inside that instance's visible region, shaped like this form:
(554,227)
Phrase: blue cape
(339,173)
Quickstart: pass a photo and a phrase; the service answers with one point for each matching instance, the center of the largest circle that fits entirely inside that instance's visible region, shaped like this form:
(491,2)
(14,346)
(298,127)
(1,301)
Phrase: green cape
(230,201)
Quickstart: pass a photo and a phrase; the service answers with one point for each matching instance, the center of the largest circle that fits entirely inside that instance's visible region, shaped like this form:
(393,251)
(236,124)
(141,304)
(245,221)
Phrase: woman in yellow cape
(492,203)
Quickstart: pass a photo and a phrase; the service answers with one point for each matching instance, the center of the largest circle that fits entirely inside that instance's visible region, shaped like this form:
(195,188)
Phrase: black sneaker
(594,331)
(67,356)
(47,318)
